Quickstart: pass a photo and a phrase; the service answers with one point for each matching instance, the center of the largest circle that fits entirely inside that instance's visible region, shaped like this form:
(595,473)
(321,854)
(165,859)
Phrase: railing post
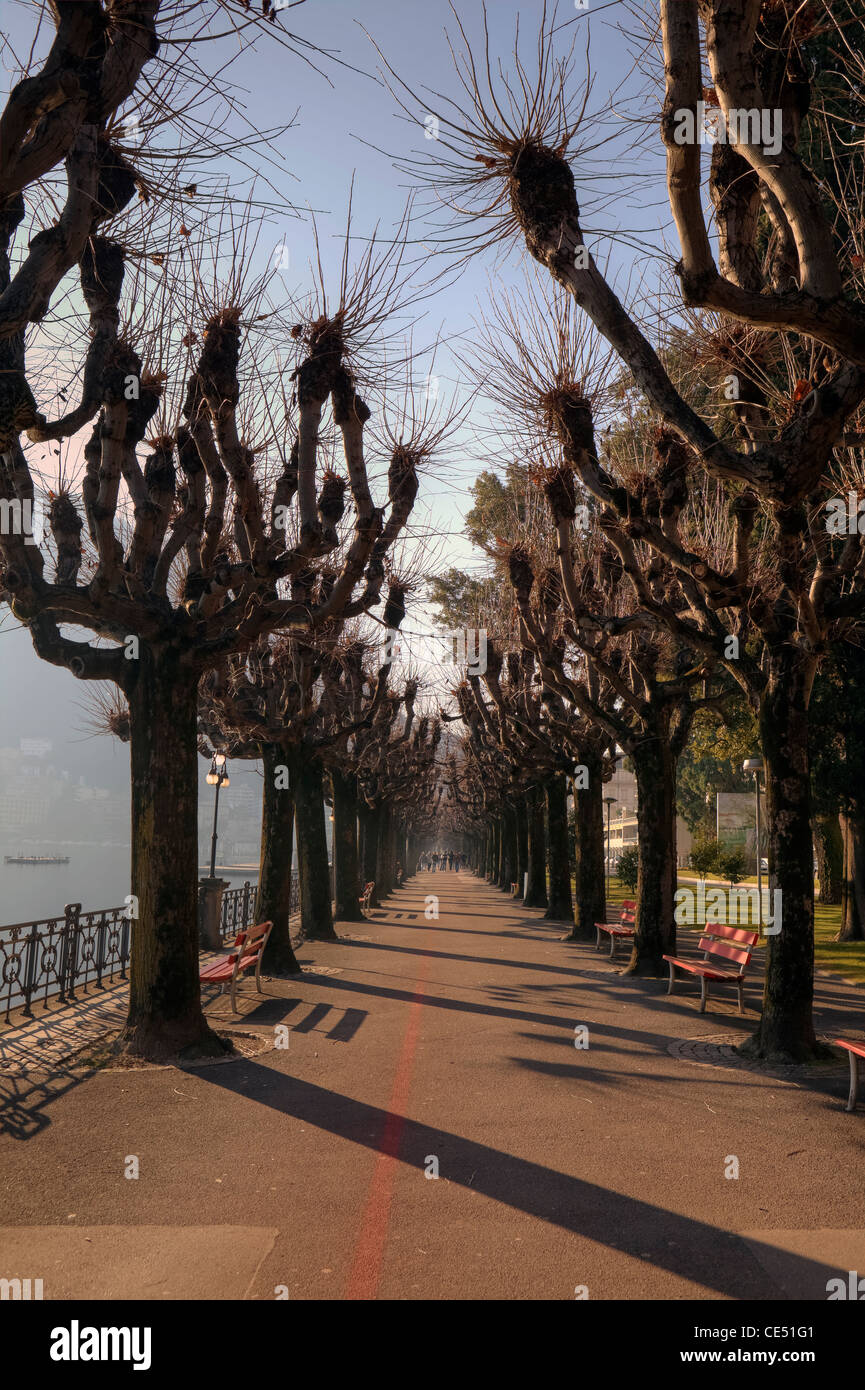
(247,920)
(71,913)
(30,969)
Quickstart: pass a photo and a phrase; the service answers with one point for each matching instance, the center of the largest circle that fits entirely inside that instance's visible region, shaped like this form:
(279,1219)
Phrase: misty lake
(97,876)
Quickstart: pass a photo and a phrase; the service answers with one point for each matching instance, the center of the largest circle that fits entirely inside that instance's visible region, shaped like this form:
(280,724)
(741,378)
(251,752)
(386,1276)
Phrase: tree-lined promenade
(218,501)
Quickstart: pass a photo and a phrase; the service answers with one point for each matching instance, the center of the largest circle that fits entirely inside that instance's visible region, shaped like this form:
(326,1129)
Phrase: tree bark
(561,904)
(165,1017)
(274,875)
(655,935)
(384,863)
(589,850)
(785,1032)
(347,871)
(509,848)
(852,826)
(537,890)
(829,851)
(316,913)
(522,847)
(370,818)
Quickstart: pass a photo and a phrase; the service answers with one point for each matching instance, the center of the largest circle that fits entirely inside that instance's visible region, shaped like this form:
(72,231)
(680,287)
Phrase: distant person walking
(435,861)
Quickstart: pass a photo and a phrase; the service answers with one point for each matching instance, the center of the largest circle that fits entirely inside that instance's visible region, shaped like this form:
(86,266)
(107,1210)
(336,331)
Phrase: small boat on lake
(36,859)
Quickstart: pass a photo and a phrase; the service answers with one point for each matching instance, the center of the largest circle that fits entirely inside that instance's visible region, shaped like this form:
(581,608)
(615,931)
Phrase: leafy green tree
(628,866)
(705,856)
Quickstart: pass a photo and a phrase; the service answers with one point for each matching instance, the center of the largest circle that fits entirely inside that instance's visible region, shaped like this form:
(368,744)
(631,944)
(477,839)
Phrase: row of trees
(687,550)
(217,524)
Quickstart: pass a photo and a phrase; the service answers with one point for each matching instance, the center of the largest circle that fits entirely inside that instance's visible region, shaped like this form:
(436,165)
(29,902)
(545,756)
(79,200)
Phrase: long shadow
(491,1010)
(477,960)
(692,1249)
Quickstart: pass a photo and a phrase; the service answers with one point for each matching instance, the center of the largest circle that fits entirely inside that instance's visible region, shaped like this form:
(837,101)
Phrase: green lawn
(845,958)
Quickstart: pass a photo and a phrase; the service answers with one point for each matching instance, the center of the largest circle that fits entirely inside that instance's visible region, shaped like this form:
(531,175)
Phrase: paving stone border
(716,1050)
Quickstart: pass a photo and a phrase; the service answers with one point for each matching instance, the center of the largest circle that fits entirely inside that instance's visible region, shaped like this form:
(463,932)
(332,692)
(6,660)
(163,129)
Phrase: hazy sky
(338,124)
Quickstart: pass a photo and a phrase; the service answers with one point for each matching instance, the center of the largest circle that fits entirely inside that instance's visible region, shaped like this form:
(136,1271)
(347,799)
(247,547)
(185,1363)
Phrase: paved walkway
(419,1046)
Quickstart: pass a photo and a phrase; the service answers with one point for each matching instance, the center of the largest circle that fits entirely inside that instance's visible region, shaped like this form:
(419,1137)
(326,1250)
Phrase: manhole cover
(717,1050)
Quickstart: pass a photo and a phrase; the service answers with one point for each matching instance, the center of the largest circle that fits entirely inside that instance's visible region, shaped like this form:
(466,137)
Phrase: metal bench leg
(854,1081)
(741,988)
(672,978)
(612,944)
(704,993)
(233,988)
(258,976)
(597,938)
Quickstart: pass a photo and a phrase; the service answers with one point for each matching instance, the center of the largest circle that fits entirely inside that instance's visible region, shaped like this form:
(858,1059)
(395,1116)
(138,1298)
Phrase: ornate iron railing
(57,955)
(54,956)
(238,907)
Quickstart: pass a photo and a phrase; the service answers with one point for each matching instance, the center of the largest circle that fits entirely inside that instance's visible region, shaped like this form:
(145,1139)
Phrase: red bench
(366,896)
(247,952)
(624,927)
(720,944)
(855,1050)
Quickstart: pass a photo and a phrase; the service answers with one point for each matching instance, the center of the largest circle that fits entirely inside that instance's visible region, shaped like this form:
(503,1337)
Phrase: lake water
(97,876)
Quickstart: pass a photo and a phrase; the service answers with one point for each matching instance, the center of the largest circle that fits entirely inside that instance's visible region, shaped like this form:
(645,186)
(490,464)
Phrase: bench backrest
(628,913)
(367,888)
(249,944)
(729,943)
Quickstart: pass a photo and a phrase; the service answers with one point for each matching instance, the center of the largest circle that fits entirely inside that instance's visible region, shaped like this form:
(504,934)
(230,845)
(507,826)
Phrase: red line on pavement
(369,1252)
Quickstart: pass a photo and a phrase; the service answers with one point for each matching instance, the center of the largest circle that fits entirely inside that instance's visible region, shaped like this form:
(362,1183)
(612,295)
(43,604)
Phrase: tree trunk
(655,936)
(369,819)
(165,1018)
(853,885)
(589,852)
(493,860)
(561,905)
(537,891)
(348,887)
(785,1032)
(316,913)
(829,851)
(522,847)
(509,849)
(274,875)
(384,863)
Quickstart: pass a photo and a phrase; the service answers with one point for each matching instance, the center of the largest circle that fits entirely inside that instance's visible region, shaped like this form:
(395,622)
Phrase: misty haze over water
(64,790)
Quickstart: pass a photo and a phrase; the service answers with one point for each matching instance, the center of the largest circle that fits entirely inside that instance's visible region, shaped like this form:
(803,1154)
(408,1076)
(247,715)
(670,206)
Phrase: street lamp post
(217,777)
(608,802)
(755,767)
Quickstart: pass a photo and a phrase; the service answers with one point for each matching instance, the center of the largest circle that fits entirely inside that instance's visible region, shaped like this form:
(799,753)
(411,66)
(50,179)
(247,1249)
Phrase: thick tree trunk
(274,874)
(852,827)
(589,853)
(537,890)
(493,860)
(655,770)
(522,847)
(370,818)
(509,849)
(561,904)
(785,1032)
(385,862)
(348,886)
(829,851)
(316,913)
(165,1017)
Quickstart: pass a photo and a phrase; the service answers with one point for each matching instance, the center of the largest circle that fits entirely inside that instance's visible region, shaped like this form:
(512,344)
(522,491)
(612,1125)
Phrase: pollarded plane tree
(503,783)
(652,689)
(786,264)
(289,702)
(174,560)
(579,746)
(394,763)
(529,726)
